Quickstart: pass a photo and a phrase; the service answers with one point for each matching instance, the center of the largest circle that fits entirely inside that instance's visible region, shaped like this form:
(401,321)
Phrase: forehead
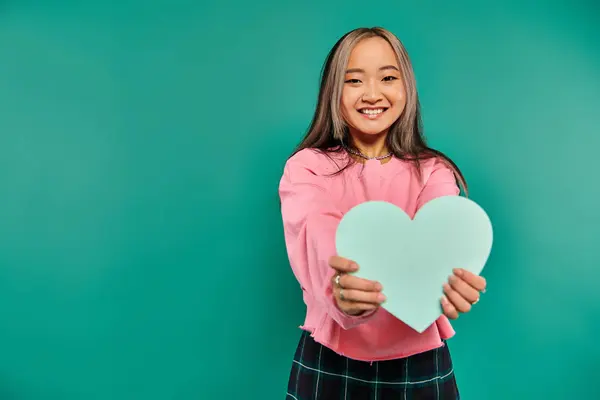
(372,52)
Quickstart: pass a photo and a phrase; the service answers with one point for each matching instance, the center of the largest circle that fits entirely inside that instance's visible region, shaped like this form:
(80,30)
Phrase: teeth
(372,112)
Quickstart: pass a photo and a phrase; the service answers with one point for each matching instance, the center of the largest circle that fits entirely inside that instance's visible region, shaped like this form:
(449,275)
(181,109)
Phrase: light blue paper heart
(413,258)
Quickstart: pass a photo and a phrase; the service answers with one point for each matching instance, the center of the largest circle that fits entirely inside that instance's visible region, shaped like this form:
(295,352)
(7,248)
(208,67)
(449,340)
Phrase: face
(373,96)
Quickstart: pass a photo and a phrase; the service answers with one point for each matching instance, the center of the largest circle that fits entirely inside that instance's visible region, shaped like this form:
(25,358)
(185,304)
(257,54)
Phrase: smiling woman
(368,103)
(368,118)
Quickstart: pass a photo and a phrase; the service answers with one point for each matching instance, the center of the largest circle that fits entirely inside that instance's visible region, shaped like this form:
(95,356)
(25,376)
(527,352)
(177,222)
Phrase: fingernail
(381,298)
(458,271)
(378,287)
(353,266)
(451,278)
(444,300)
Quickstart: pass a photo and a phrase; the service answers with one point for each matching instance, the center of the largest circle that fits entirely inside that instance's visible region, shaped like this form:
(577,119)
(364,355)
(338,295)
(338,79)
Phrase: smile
(372,113)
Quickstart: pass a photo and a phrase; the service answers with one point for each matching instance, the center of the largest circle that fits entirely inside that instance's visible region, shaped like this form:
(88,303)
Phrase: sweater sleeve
(310,220)
(440,181)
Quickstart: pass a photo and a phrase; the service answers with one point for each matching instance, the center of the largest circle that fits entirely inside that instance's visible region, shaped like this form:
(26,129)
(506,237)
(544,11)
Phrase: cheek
(348,102)
(398,97)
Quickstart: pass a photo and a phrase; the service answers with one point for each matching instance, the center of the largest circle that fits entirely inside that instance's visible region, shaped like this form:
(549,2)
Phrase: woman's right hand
(352,294)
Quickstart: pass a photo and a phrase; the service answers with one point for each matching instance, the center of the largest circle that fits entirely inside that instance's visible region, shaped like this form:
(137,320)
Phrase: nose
(372,93)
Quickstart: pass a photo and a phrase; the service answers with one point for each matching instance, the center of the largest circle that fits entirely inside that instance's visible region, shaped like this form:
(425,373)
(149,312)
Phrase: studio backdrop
(141,146)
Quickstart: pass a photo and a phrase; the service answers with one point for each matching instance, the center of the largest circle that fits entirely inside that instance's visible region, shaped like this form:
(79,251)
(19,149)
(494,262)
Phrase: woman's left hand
(461,292)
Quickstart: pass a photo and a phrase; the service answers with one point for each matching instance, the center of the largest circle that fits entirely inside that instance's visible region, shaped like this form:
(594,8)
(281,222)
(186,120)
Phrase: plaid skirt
(320,373)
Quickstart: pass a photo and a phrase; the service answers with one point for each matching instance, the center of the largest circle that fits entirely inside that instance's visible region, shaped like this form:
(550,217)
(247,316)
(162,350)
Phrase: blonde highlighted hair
(328,131)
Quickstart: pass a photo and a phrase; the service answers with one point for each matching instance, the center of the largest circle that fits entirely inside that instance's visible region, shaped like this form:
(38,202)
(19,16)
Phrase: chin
(371,130)
(373,125)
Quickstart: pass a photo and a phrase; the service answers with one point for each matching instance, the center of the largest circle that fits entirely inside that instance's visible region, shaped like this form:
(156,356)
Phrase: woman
(365,143)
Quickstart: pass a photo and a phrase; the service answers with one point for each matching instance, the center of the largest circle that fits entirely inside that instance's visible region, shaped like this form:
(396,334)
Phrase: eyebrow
(360,70)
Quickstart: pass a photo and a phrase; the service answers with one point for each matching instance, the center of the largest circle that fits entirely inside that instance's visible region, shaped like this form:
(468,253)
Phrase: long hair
(328,131)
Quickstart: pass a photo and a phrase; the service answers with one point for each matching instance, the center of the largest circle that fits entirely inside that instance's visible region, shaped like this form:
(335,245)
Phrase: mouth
(372,113)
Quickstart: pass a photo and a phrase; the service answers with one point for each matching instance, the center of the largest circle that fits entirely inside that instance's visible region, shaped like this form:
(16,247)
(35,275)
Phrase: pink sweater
(312,206)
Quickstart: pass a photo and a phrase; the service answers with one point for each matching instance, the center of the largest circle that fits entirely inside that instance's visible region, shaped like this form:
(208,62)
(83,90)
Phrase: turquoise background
(141,145)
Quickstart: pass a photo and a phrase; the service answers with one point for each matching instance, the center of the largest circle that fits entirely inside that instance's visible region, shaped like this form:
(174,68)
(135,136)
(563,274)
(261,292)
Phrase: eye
(390,78)
(354,81)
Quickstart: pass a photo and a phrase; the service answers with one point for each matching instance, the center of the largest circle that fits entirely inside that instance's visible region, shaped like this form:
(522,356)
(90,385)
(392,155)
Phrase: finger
(456,299)
(449,310)
(353,308)
(356,308)
(476,281)
(354,282)
(342,264)
(358,296)
(466,291)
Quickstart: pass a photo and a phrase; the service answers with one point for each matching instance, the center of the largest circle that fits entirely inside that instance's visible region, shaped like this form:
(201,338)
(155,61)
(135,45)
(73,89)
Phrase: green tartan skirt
(320,373)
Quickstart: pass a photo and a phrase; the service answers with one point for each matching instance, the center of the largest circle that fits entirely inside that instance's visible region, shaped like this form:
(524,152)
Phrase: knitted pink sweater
(312,206)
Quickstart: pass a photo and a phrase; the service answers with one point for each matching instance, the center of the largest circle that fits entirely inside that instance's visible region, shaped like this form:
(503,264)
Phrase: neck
(370,145)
